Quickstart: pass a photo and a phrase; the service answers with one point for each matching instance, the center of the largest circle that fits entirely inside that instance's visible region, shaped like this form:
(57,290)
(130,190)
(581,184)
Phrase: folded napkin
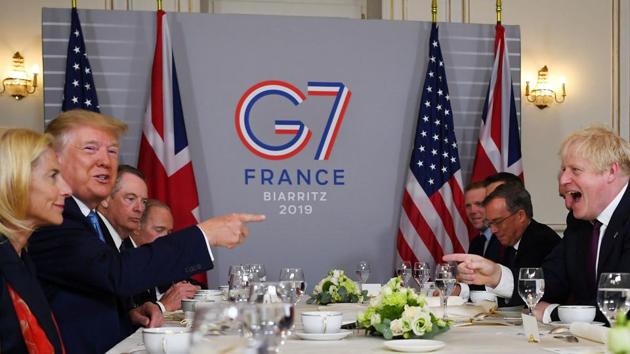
(591,332)
(434,301)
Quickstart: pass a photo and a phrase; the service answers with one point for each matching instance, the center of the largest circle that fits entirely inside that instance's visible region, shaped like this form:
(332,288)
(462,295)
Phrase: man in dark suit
(509,215)
(485,244)
(82,276)
(594,178)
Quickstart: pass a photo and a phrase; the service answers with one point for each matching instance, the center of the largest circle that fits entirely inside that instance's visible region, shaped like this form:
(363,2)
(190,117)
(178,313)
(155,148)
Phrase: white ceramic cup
(321,321)
(576,313)
(166,340)
(188,305)
(477,296)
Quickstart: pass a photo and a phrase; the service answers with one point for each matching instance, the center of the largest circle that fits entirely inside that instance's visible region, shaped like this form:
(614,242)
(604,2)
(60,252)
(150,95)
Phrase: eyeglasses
(497,223)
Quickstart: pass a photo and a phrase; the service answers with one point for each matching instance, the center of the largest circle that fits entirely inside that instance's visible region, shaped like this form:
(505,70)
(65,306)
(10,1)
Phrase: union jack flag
(79,90)
(432,221)
(164,154)
(499,146)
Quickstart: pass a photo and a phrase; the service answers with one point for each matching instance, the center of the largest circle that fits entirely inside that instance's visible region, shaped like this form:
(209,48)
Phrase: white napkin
(434,301)
(588,331)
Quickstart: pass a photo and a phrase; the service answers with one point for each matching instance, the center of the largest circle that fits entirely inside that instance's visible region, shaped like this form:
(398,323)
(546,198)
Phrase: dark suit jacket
(83,277)
(20,274)
(537,242)
(493,252)
(565,281)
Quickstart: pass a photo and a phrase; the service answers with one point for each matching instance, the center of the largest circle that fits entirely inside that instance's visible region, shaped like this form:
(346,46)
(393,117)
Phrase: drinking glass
(291,286)
(267,325)
(531,286)
(239,282)
(404,271)
(613,295)
(217,326)
(259,270)
(363,273)
(421,273)
(445,282)
(264,292)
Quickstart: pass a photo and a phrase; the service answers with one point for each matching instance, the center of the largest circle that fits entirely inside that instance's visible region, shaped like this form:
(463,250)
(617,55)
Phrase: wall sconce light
(18,84)
(542,95)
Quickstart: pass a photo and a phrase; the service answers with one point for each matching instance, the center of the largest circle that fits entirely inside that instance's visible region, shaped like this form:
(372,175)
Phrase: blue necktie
(94,221)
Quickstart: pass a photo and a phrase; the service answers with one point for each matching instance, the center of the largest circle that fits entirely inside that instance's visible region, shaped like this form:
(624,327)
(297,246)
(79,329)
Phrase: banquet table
(477,338)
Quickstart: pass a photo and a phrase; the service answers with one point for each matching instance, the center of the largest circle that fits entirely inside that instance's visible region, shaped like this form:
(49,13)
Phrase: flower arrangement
(336,287)
(619,336)
(399,312)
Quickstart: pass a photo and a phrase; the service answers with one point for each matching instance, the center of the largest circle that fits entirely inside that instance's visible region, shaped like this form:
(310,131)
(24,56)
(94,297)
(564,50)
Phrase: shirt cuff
(547,314)
(161,306)
(207,244)
(464,291)
(505,287)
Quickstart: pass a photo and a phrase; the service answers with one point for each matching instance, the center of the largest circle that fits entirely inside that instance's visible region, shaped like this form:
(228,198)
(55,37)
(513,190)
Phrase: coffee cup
(576,313)
(321,321)
(166,340)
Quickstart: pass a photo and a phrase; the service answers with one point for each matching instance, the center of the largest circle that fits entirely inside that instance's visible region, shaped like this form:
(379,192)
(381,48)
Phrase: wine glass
(260,271)
(421,273)
(531,286)
(239,283)
(291,286)
(404,271)
(613,295)
(363,272)
(445,282)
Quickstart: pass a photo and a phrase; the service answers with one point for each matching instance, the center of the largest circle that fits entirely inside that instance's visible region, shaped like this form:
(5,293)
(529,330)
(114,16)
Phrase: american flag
(79,90)
(499,146)
(432,220)
(164,154)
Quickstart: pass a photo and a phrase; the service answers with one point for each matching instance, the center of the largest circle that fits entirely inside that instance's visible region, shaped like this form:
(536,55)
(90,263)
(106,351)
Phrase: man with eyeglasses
(526,242)
(593,180)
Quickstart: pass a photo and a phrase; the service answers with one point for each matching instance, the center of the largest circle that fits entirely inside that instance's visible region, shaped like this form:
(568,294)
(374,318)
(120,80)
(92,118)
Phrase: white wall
(585,41)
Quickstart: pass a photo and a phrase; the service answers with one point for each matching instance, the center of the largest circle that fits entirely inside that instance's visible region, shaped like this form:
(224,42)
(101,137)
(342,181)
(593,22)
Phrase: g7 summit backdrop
(308,120)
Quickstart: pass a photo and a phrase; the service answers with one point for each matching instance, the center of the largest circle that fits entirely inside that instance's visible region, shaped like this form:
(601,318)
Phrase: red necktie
(591,262)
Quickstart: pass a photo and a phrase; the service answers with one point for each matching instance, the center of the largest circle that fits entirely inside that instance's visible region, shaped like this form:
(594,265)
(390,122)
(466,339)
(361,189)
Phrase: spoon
(569,338)
(559,330)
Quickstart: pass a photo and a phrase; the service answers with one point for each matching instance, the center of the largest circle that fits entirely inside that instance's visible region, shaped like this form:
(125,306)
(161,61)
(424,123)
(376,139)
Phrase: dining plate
(324,336)
(567,324)
(414,345)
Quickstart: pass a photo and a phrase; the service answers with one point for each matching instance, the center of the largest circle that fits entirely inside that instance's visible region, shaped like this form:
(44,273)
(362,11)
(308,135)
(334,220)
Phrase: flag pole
(159,5)
(434,11)
(74,4)
(499,10)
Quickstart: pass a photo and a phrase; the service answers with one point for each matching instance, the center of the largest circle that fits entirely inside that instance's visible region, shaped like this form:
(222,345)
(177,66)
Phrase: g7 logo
(301,133)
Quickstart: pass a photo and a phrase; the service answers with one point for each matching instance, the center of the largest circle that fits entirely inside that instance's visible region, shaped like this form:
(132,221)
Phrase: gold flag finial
(74,4)
(434,11)
(159,5)
(499,10)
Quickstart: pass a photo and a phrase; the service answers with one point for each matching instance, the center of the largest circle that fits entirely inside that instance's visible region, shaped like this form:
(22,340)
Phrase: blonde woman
(32,194)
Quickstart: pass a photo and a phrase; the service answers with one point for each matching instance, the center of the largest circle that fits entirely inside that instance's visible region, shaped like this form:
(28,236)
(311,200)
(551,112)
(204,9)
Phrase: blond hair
(19,151)
(65,122)
(600,146)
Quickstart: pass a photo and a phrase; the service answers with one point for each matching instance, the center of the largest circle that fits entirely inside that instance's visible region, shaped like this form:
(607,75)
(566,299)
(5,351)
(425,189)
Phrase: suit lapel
(619,220)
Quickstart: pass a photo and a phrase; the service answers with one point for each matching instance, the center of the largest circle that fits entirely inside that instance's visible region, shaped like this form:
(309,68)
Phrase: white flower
(410,313)
(375,319)
(397,327)
(421,324)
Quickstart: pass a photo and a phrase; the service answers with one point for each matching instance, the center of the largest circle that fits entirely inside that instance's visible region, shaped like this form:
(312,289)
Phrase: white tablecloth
(465,339)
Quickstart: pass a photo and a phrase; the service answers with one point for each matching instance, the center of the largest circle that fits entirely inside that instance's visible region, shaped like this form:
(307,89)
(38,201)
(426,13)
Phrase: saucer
(414,345)
(324,336)
(566,324)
